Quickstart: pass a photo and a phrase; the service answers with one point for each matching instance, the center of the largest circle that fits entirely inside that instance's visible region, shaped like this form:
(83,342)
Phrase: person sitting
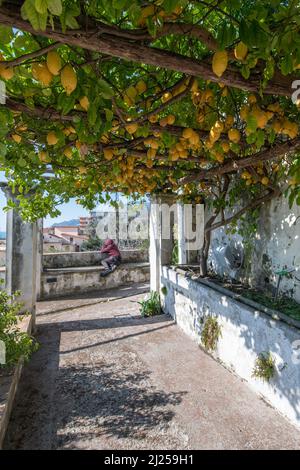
(113,258)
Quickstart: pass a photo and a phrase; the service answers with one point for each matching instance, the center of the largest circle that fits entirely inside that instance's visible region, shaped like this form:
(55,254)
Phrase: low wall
(59,282)
(89,258)
(246,332)
(2,258)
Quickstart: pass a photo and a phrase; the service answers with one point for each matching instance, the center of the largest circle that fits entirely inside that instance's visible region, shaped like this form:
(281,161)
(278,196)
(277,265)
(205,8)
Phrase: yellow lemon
(53,62)
(84,103)
(68,79)
(240,51)
(234,135)
(52,138)
(219,62)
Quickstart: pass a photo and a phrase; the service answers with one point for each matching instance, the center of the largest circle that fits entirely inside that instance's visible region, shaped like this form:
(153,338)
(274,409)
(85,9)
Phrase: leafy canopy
(143,97)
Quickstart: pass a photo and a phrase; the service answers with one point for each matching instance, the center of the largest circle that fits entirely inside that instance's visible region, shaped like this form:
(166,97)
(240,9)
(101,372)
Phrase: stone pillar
(161,241)
(21,257)
(39,257)
(182,251)
(190,232)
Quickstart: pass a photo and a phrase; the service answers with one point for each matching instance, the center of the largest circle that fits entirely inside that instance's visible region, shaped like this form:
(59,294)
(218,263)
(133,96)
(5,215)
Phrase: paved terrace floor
(105,378)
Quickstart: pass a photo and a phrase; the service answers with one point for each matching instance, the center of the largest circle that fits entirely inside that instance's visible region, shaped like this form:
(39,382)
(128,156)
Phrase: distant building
(63,238)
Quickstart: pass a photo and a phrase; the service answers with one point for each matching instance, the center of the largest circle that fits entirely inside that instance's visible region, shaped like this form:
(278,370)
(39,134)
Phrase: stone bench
(61,281)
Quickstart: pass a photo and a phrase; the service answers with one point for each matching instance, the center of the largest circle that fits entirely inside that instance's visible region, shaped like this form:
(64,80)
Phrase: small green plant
(150,306)
(211,333)
(264,367)
(164,290)
(175,253)
(17,343)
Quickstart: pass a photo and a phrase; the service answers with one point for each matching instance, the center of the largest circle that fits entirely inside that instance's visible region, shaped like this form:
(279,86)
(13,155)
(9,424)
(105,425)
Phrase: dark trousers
(110,262)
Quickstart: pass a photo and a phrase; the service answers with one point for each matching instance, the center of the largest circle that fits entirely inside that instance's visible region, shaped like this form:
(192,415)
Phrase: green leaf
(119,4)
(41,6)
(55,7)
(251,123)
(108,114)
(105,89)
(6,34)
(29,12)
(134,13)
(170,5)
(92,113)
(3,149)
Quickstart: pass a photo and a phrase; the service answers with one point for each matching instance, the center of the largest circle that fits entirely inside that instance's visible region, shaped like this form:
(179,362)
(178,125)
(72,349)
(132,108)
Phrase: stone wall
(276,246)
(246,332)
(89,258)
(72,281)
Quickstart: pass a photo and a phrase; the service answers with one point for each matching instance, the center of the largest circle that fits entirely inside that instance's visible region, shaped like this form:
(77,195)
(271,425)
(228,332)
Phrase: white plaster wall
(277,246)
(246,332)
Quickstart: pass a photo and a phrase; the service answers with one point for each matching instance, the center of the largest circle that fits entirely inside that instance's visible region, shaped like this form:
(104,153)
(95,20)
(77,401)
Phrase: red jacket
(111,248)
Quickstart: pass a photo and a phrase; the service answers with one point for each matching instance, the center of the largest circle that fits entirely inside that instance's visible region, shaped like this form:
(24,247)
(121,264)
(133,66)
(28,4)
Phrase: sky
(69,211)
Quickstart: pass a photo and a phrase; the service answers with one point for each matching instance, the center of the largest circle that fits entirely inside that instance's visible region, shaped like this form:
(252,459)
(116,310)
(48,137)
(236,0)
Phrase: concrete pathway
(105,378)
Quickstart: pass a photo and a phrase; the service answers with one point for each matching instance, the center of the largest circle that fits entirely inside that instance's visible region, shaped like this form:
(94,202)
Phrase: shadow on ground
(91,391)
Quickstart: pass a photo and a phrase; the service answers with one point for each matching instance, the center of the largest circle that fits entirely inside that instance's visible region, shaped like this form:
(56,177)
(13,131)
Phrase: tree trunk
(206,245)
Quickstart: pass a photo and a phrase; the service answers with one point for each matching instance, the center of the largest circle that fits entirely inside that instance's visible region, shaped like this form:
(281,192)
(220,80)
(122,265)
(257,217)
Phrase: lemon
(6,72)
(68,79)
(219,62)
(153,118)
(163,122)
(240,51)
(53,62)
(68,152)
(52,138)
(84,103)
(43,156)
(234,135)
(187,133)
(108,154)
(141,86)
(225,146)
(265,181)
(17,138)
(166,97)
(170,119)
(131,128)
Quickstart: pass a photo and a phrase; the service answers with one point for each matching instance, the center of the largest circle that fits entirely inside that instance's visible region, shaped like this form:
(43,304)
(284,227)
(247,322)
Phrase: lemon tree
(192,97)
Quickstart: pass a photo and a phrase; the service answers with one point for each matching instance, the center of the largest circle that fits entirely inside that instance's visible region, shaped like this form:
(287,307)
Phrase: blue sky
(69,211)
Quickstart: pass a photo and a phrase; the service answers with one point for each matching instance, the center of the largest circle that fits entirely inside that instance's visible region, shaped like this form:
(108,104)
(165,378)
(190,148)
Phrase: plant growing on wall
(264,367)
(17,343)
(211,333)
(151,305)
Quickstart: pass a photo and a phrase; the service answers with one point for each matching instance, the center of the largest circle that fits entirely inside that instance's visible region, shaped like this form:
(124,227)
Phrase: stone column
(182,251)
(190,232)
(39,257)
(21,257)
(161,241)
